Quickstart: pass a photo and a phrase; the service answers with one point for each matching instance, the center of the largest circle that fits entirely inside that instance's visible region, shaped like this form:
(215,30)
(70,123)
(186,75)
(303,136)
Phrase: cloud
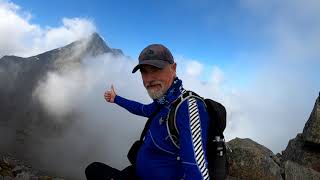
(284,84)
(103,132)
(18,36)
(292,28)
(217,76)
(271,79)
(59,94)
(72,29)
(193,68)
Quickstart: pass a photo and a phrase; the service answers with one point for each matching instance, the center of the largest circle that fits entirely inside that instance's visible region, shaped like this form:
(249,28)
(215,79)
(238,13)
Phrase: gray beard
(155,94)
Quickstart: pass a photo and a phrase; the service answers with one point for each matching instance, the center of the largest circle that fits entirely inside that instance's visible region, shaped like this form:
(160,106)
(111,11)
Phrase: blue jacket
(158,158)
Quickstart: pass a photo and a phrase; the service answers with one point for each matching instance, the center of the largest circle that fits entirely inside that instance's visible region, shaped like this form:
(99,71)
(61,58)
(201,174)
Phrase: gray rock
(294,171)
(7,178)
(23,176)
(14,169)
(311,131)
(232,178)
(250,160)
(305,155)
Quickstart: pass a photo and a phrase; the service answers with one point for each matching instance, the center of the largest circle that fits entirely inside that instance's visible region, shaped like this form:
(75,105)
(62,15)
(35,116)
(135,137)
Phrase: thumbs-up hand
(110,95)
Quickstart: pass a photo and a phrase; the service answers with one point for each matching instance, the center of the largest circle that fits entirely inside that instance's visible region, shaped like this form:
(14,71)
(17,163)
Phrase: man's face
(157,81)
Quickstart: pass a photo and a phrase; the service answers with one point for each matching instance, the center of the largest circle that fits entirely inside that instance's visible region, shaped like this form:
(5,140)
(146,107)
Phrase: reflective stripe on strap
(195,128)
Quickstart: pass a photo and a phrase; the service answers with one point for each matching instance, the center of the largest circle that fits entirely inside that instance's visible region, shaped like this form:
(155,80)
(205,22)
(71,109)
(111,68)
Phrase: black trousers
(100,171)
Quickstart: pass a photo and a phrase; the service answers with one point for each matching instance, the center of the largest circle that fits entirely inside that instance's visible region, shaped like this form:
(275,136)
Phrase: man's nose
(148,77)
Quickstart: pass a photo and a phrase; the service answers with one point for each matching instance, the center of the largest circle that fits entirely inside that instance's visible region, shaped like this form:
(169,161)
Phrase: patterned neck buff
(172,93)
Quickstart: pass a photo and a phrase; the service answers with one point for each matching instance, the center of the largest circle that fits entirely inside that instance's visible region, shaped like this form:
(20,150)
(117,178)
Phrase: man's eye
(155,69)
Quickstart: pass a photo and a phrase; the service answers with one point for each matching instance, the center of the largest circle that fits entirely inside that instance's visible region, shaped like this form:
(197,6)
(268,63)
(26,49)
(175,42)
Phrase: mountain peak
(96,45)
(311,130)
(96,37)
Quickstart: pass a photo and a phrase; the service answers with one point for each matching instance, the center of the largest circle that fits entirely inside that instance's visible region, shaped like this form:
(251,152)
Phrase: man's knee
(97,171)
(93,168)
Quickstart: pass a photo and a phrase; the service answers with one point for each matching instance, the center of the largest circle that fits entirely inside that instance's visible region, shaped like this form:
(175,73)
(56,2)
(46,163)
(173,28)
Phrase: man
(158,157)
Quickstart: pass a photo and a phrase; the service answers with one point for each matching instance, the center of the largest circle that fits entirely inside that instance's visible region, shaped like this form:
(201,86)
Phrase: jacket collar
(172,93)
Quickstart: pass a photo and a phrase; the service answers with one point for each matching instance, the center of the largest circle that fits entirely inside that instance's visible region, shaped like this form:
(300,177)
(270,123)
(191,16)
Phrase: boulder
(311,130)
(294,171)
(302,153)
(250,160)
(232,178)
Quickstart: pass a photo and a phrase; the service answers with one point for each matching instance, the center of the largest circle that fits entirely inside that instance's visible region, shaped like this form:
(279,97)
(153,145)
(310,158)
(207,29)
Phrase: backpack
(216,147)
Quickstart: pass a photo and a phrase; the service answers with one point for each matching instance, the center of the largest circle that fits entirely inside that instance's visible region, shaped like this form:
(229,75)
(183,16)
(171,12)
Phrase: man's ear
(174,67)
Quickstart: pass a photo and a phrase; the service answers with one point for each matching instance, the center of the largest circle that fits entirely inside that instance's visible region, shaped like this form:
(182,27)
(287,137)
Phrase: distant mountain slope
(19,77)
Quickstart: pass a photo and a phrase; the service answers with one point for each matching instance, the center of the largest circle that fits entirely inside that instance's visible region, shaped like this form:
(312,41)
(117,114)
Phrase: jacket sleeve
(192,122)
(135,107)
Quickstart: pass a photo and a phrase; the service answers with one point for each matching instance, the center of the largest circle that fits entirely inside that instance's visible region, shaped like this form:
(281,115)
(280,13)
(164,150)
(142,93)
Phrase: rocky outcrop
(311,131)
(300,152)
(13,169)
(250,160)
(305,148)
(294,171)
(300,160)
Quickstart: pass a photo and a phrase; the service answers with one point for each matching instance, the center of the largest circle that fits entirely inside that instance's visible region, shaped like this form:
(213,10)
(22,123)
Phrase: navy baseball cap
(155,55)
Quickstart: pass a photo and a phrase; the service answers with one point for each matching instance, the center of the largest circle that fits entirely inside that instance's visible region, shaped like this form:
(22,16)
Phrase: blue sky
(216,33)
(258,57)
(185,27)
(212,32)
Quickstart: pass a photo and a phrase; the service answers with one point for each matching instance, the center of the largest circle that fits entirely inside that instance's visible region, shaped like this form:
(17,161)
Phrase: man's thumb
(112,88)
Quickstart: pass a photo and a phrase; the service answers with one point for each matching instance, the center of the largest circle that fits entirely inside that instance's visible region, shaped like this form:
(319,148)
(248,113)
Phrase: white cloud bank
(270,84)
(20,37)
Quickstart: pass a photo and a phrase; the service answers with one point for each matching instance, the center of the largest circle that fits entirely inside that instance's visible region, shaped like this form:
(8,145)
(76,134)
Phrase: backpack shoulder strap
(146,126)
(133,151)
(171,121)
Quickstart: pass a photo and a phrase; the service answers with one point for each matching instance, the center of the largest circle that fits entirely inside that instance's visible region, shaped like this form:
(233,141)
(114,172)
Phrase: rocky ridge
(299,161)
(13,169)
